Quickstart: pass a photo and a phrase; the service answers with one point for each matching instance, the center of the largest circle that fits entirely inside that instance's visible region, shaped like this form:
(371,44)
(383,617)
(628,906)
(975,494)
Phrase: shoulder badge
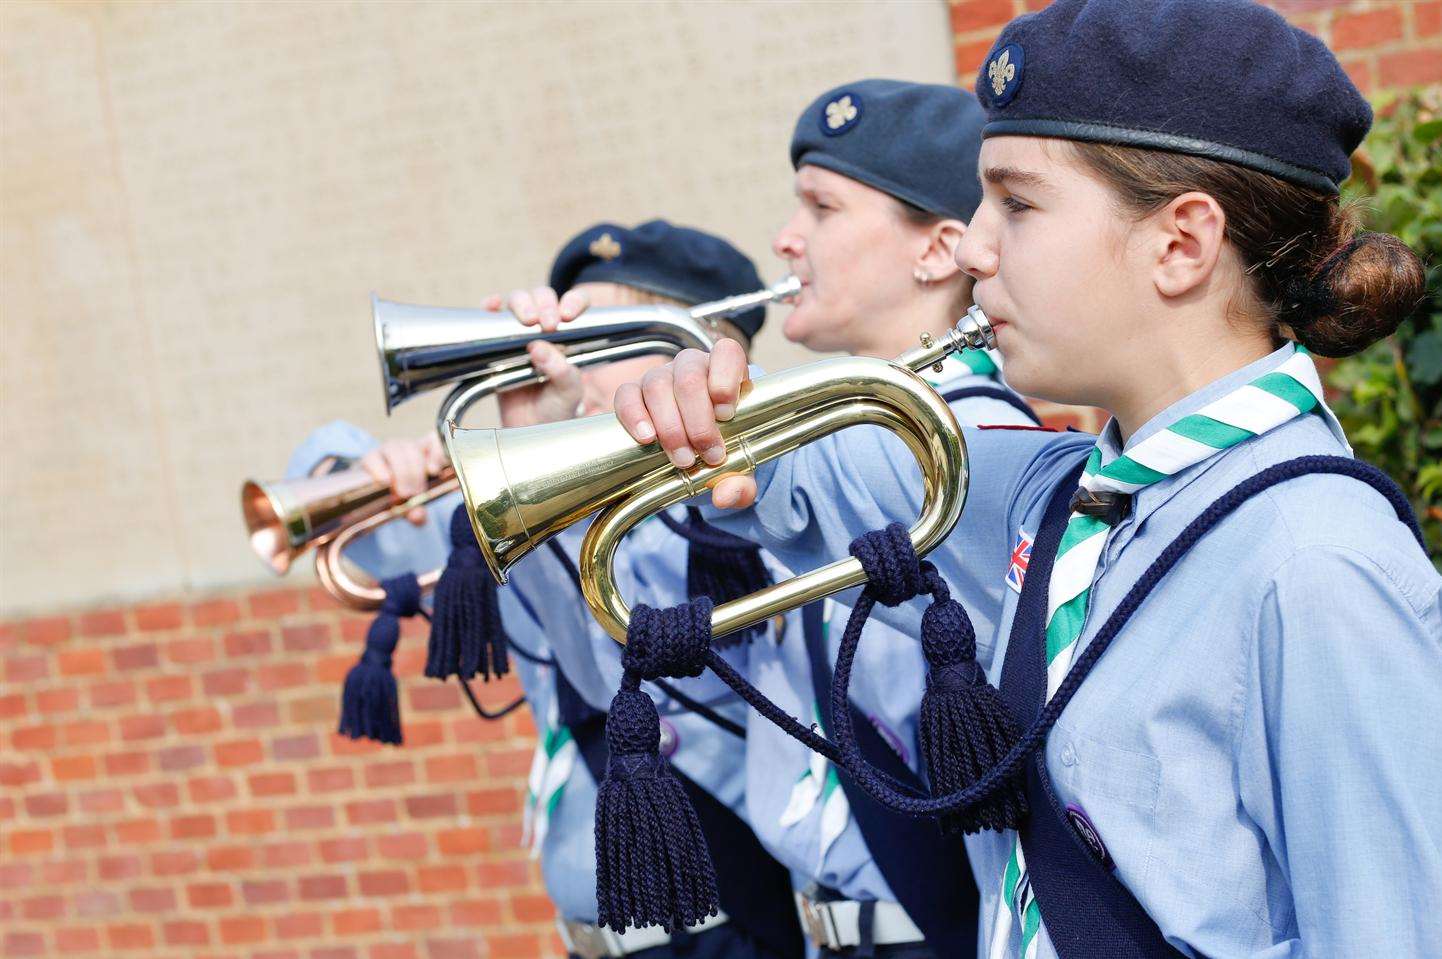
(605,247)
(1020,560)
(1003,74)
(841,114)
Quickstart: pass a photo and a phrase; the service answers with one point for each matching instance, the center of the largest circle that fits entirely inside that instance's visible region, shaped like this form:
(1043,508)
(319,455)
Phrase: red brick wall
(1381,43)
(170,786)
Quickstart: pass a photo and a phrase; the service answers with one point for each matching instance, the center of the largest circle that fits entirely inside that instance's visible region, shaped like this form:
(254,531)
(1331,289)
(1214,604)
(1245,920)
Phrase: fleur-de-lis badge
(1001,72)
(605,247)
(840,112)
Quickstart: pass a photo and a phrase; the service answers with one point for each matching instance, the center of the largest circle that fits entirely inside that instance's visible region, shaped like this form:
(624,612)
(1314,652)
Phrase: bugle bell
(522,486)
(425,347)
(286,518)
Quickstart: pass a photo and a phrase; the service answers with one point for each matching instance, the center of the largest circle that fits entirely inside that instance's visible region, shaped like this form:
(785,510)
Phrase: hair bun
(1362,293)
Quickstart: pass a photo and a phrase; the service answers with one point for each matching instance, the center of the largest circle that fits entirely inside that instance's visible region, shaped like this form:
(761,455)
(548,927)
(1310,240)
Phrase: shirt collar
(1147,500)
(1109,442)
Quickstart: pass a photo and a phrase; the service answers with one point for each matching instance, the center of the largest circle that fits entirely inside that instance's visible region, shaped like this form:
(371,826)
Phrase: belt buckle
(815,922)
(592,942)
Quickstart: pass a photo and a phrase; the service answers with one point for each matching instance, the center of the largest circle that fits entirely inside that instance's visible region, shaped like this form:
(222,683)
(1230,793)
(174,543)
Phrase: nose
(976,254)
(789,244)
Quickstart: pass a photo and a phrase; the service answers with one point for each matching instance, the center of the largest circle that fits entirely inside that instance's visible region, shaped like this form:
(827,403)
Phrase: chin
(1023,376)
(796,329)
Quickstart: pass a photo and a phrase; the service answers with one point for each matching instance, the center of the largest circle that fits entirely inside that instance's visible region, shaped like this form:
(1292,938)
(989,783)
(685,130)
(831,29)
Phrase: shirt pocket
(1094,771)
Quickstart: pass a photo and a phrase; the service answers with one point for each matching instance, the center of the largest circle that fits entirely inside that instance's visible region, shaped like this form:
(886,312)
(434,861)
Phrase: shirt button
(1068,755)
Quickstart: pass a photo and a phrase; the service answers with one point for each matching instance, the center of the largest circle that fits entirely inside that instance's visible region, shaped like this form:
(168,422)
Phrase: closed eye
(1013,205)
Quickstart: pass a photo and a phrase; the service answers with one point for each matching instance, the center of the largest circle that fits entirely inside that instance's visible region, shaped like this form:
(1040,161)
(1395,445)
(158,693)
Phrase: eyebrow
(809,192)
(1001,174)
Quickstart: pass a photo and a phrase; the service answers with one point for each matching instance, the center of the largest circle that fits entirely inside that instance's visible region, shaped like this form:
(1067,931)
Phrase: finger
(494,303)
(552,363)
(630,409)
(434,453)
(573,304)
(546,308)
(728,372)
(657,389)
(417,516)
(408,468)
(523,306)
(734,492)
(375,464)
(693,398)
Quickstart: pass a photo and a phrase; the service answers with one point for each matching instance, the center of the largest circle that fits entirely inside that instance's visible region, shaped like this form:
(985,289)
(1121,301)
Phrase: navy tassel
(720,566)
(652,864)
(965,728)
(370,704)
(467,636)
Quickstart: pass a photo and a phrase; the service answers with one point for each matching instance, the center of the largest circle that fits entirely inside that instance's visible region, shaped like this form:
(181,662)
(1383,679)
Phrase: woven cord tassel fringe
(467,636)
(964,727)
(652,864)
(370,703)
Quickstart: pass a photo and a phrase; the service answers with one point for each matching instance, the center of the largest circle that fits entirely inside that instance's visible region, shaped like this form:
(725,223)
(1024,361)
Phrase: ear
(938,256)
(1190,233)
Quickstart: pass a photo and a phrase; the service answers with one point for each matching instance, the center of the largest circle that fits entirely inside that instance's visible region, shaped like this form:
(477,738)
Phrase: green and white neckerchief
(551,766)
(1288,391)
(966,362)
(819,782)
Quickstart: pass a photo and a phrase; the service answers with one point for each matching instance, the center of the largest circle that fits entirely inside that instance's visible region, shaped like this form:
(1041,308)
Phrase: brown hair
(1315,278)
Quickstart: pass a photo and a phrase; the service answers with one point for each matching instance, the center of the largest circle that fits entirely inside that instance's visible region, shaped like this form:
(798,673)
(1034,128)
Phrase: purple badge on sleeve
(1089,835)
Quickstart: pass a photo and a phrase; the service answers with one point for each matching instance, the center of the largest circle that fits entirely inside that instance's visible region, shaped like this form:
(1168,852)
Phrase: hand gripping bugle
(523,486)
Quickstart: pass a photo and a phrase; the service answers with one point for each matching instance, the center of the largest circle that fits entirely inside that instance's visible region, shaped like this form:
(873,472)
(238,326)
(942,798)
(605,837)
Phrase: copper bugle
(286,518)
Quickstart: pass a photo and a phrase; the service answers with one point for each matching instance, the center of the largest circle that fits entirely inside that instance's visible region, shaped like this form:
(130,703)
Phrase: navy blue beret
(916,141)
(674,261)
(1225,79)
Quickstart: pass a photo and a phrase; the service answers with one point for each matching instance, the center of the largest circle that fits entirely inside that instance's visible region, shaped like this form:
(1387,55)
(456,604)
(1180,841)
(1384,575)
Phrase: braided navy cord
(701,709)
(670,642)
(844,751)
(529,656)
(482,711)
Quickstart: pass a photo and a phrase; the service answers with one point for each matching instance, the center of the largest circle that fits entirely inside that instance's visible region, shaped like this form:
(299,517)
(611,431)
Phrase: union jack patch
(1020,559)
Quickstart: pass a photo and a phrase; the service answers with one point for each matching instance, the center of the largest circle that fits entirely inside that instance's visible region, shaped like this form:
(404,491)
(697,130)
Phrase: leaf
(1427,133)
(1424,358)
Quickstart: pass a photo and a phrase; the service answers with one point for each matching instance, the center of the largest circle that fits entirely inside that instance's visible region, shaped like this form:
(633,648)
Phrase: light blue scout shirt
(1257,750)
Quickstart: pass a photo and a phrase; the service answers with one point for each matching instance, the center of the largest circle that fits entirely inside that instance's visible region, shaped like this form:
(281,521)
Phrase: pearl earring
(921,276)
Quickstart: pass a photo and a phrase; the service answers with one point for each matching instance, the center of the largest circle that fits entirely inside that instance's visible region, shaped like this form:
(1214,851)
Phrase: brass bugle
(422,348)
(522,486)
(286,518)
